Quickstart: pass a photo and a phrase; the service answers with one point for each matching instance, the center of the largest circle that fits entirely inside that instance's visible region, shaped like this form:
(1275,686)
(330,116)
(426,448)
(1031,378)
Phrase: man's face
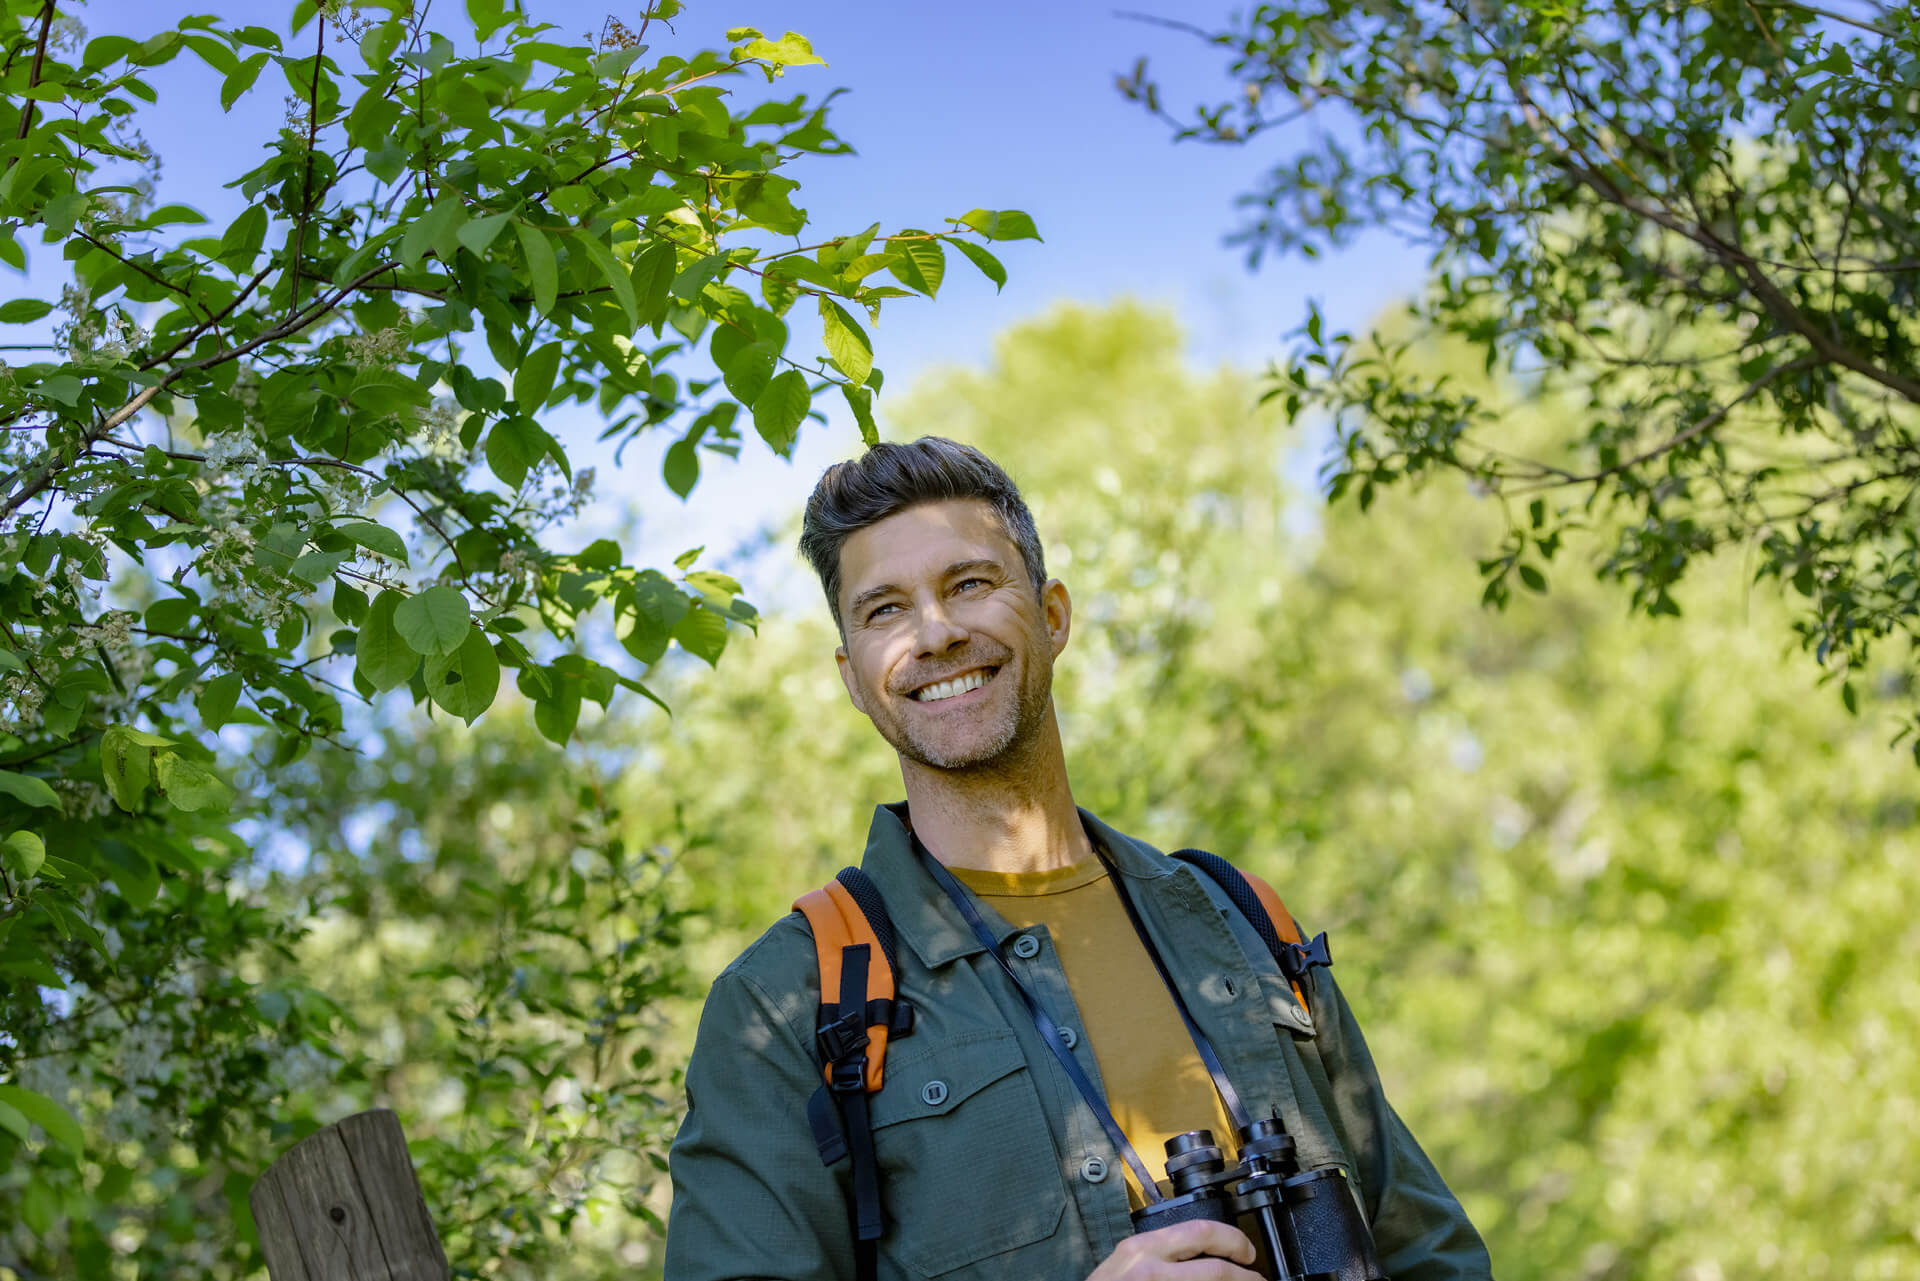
(948,651)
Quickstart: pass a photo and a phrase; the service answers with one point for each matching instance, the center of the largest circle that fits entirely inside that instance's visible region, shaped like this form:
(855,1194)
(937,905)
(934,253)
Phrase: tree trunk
(343,1205)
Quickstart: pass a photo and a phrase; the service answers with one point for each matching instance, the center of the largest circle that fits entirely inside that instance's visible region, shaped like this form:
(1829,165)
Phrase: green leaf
(125,766)
(702,633)
(748,373)
(790,50)
(681,468)
(989,265)
(616,276)
(189,785)
(381,655)
(542,267)
(13,1120)
(435,622)
(846,342)
(1001,224)
(1800,110)
(556,717)
(217,700)
(241,79)
(24,853)
(533,380)
(431,229)
(780,409)
(477,236)
(860,400)
(1533,578)
(375,538)
(28,790)
(48,1115)
(20,311)
(514,445)
(463,683)
(921,264)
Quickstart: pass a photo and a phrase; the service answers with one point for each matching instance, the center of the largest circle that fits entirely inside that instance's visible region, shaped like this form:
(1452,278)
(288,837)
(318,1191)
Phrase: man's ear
(1057,608)
(845,665)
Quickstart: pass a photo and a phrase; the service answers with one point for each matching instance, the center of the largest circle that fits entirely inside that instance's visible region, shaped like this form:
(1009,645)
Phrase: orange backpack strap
(857,1005)
(860,1012)
(1269,917)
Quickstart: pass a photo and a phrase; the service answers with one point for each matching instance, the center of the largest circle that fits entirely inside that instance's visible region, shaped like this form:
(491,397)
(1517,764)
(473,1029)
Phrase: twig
(33,76)
(306,184)
(1698,429)
(43,475)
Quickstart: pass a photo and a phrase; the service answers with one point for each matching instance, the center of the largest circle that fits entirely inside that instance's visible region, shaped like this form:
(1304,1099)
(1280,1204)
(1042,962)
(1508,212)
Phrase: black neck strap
(1048,1029)
(1229,1097)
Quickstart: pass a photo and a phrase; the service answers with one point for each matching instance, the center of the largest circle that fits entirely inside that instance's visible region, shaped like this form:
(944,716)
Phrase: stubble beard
(1016,726)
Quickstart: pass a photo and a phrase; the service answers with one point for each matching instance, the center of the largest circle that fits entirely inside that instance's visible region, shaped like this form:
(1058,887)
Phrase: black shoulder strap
(854,939)
(1295,958)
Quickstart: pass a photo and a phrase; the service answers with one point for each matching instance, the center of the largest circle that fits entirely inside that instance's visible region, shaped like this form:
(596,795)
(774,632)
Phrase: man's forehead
(923,540)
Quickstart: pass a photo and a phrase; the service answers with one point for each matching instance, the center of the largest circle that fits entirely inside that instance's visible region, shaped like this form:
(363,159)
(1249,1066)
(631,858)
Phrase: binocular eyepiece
(1304,1225)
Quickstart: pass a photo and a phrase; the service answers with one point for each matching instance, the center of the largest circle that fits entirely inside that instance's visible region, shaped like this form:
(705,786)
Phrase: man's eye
(879,610)
(969,582)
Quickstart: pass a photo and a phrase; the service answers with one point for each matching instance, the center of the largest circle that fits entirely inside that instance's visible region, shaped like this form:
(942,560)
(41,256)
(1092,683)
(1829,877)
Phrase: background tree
(262,471)
(1621,908)
(1691,227)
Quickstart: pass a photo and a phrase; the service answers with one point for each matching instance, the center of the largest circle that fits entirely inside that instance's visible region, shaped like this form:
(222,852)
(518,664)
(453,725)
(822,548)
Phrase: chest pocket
(967,1167)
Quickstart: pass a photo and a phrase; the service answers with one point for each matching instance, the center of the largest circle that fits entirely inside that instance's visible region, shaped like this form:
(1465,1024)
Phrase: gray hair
(888,479)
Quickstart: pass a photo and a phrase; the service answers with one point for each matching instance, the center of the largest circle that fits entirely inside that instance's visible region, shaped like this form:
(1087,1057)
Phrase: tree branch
(306,184)
(1563,478)
(42,476)
(33,76)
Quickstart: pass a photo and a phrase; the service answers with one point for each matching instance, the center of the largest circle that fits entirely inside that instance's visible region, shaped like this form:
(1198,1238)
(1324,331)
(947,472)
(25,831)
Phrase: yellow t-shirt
(1156,1084)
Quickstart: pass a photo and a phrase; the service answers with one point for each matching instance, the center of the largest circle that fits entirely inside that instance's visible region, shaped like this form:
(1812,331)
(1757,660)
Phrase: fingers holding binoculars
(1198,1250)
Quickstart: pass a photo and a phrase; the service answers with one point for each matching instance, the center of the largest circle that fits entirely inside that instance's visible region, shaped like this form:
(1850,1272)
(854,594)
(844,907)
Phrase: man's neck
(1019,818)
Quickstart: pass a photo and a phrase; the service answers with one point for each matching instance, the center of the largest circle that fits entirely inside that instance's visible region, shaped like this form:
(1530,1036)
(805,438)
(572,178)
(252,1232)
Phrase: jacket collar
(921,912)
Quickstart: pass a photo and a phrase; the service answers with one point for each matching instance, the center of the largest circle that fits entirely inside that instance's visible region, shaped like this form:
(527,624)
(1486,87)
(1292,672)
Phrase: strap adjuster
(843,1036)
(1297,958)
(850,1075)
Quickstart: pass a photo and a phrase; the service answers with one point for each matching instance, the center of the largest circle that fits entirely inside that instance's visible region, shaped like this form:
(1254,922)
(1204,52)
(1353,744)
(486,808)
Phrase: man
(992,1163)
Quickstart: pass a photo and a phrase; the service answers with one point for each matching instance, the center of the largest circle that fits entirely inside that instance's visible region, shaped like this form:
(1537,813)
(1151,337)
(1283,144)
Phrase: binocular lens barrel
(1304,1226)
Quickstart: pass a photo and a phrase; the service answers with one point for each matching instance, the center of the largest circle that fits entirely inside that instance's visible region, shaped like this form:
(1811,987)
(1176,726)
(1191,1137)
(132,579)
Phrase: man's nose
(938,631)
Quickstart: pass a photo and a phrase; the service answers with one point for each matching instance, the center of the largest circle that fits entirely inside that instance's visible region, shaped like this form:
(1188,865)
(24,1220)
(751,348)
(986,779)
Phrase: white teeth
(952,688)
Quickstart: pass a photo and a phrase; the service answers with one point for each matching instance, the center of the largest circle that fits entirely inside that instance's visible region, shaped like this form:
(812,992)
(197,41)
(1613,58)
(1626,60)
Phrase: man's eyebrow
(958,567)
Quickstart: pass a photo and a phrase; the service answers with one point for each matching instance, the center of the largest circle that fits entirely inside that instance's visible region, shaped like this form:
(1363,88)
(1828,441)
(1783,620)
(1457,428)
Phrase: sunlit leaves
(434,622)
(846,342)
(464,681)
(1001,224)
(382,656)
(780,409)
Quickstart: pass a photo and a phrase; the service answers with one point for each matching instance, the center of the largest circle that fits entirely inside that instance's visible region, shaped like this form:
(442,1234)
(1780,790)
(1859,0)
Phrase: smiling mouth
(965,683)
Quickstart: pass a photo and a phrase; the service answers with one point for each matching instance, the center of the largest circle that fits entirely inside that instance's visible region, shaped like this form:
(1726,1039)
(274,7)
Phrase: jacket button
(1026,947)
(933,1093)
(1093,1170)
(1069,1037)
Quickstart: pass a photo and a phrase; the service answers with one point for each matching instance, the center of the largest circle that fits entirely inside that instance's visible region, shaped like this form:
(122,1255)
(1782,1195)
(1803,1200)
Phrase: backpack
(854,939)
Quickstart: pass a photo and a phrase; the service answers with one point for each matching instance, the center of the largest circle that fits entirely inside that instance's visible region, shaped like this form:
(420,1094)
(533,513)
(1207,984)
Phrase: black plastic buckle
(843,1036)
(1301,957)
(849,1075)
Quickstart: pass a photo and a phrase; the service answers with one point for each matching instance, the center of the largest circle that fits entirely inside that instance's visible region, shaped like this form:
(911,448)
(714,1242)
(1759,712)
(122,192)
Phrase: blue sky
(994,104)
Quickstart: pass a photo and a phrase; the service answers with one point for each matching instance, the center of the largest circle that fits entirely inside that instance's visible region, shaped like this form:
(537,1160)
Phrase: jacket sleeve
(1419,1228)
(750,1196)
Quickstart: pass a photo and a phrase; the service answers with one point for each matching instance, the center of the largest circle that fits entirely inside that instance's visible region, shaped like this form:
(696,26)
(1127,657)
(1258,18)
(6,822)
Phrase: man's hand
(1198,1250)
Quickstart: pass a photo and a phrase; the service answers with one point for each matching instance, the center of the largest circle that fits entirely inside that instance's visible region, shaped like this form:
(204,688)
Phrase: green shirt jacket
(991,1165)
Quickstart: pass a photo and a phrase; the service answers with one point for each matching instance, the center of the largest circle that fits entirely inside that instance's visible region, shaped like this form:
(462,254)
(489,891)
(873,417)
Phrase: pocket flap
(1286,1011)
(934,1079)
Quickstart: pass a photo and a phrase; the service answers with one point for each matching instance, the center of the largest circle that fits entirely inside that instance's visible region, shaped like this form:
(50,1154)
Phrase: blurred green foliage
(1622,904)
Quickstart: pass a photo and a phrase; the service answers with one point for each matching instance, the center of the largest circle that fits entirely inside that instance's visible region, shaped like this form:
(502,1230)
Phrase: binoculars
(1305,1226)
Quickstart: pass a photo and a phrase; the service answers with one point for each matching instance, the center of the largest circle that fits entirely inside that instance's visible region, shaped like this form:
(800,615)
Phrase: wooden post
(343,1205)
